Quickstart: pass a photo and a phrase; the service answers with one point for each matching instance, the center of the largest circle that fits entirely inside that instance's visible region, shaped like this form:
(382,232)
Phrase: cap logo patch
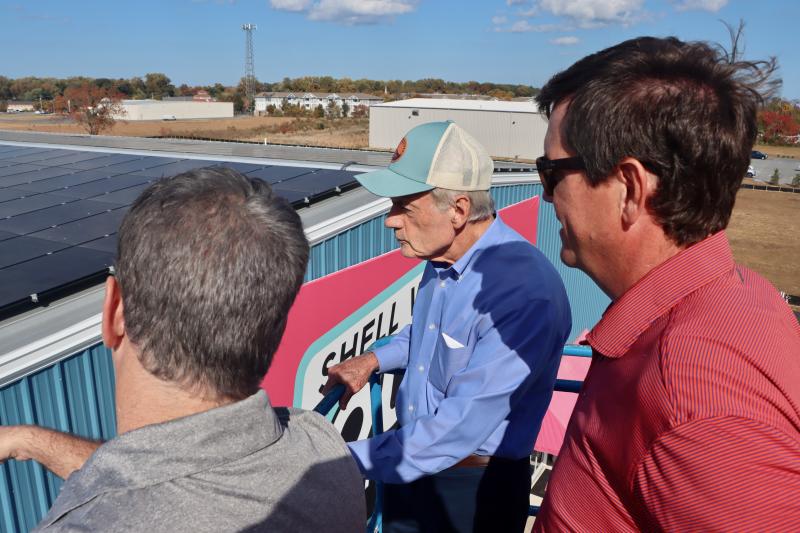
(400,150)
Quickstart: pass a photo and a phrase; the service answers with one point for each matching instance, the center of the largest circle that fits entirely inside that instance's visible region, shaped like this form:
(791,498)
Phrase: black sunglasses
(548,170)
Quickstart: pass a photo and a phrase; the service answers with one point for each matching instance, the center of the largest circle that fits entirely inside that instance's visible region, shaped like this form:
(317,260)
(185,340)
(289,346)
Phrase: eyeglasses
(548,170)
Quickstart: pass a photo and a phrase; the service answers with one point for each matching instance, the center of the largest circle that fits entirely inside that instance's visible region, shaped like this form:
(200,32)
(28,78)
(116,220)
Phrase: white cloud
(499,20)
(290,5)
(700,5)
(565,41)
(523,26)
(528,13)
(594,13)
(516,2)
(347,11)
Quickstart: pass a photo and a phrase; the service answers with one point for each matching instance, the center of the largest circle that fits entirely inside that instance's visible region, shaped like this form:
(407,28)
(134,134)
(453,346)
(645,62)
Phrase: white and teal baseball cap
(436,154)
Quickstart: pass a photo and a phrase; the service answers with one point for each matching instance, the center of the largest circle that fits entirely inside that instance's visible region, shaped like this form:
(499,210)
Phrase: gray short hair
(481,202)
(209,263)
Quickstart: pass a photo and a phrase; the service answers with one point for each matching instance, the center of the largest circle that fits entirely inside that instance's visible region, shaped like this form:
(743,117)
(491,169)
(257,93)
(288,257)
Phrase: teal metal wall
(77,394)
(587,300)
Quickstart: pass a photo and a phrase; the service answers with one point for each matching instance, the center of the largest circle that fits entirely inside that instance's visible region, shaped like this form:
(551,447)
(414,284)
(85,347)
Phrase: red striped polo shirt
(689,417)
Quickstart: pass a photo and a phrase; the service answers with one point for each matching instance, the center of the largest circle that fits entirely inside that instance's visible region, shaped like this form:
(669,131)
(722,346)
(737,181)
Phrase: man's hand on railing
(61,453)
(353,374)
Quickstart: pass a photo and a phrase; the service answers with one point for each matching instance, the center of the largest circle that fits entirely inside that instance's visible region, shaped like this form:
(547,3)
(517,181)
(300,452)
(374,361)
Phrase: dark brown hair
(684,110)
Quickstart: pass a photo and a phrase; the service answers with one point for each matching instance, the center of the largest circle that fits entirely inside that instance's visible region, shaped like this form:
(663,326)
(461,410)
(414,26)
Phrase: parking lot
(765,167)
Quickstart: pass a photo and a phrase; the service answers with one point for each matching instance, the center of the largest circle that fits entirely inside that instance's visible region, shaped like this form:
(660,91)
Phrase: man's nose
(392,220)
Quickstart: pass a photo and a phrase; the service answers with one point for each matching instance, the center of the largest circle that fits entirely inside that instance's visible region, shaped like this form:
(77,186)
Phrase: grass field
(765,236)
(339,133)
(764,231)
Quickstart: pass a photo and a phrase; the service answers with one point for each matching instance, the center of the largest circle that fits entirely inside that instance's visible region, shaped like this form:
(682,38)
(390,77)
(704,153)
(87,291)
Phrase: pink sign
(338,315)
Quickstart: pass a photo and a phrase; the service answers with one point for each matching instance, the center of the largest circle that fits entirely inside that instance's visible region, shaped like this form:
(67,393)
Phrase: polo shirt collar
(157,453)
(490,237)
(658,292)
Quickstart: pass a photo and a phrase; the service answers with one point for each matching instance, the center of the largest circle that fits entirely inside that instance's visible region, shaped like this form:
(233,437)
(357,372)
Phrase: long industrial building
(513,130)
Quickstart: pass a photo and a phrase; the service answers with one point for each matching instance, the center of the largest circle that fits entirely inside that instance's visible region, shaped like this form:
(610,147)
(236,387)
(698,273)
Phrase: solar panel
(19,249)
(53,216)
(29,203)
(60,182)
(51,273)
(84,230)
(60,211)
(102,186)
(277,174)
(16,168)
(33,175)
(101,162)
(11,194)
(104,244)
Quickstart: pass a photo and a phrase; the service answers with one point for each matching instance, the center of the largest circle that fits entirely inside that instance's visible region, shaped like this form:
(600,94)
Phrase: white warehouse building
(174,110)
(312,100)
(507,129)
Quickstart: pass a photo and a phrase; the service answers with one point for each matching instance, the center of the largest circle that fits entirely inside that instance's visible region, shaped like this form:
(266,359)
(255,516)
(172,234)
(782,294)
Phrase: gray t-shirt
(241,467)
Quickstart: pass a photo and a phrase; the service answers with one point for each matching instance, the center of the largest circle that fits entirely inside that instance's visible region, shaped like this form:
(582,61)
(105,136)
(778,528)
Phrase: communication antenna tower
(249,68)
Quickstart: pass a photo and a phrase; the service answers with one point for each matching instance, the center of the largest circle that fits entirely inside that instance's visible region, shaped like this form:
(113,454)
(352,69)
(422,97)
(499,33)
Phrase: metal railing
(330,401)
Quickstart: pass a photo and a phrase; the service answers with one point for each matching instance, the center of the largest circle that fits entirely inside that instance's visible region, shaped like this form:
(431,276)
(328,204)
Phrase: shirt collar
(490,237)
(658,292)
(177,448)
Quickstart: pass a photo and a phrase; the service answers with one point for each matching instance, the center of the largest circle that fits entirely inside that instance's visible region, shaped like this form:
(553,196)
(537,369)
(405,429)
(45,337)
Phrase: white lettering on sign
(386,314)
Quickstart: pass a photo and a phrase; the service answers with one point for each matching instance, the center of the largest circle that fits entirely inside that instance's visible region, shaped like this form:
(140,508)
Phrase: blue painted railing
(375,522)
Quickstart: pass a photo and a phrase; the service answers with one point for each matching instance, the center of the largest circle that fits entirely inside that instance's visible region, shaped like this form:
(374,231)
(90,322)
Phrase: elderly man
(481,355)
(689,417)
(209,263)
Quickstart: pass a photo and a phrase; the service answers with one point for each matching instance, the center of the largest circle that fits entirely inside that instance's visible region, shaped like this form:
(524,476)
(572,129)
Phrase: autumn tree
(92,107)
(158,85)
(776,126)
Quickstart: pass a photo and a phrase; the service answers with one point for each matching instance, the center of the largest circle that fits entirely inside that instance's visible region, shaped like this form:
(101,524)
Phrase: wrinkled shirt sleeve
(478,398)
(394,356)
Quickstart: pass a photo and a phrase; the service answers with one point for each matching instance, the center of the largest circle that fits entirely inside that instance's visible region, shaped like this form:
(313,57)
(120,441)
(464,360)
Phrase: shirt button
(442,283)
(432,326)
(410,407)
(421,368)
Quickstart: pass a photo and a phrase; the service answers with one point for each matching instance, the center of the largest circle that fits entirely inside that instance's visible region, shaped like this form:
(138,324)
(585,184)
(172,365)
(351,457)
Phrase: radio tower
(249,69)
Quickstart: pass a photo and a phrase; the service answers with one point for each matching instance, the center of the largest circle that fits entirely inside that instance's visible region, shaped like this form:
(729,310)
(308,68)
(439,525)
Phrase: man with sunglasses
(691,407)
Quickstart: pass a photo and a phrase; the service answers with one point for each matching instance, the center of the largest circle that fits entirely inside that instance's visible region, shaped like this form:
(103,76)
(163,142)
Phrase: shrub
(775,178)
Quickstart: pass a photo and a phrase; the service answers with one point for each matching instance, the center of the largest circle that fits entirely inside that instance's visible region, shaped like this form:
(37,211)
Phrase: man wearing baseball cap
(482,352)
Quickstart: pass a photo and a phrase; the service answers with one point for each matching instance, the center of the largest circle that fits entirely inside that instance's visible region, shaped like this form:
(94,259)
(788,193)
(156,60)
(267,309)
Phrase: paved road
(765,167)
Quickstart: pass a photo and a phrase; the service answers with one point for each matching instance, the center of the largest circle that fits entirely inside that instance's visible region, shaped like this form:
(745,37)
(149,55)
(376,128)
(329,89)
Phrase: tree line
(158,85)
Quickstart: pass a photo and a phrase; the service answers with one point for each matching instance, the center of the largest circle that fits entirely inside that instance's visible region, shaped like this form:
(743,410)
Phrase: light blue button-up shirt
(481,357)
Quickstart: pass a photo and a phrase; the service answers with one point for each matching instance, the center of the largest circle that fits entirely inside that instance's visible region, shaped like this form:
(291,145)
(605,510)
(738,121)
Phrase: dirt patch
(333,133)
(764,234)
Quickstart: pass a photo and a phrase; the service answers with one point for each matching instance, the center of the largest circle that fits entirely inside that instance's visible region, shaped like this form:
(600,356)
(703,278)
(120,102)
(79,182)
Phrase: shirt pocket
(451,356)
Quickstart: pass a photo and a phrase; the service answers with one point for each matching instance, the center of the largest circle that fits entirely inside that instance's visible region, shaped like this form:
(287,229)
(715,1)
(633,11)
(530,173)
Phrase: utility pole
(249,68)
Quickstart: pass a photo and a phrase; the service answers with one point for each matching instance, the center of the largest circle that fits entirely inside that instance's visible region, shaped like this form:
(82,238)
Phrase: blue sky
(504,41)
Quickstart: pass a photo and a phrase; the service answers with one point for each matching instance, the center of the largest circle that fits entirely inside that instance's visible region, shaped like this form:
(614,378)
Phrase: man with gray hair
(481,355)
(209,263)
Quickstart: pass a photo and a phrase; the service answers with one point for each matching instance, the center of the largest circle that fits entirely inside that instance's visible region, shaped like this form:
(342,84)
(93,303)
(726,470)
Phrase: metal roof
(466,105)
(60,210)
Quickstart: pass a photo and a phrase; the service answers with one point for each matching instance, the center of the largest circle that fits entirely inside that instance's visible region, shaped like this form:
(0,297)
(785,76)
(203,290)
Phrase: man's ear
(638,185)
(113,317)
(461,209)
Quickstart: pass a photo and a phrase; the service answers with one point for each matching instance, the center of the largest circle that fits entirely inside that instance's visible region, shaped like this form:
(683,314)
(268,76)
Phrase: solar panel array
(60,210)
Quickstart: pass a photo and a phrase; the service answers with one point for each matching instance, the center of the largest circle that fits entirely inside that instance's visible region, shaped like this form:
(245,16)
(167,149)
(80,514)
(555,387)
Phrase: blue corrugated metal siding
(77,394)
(74,395)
